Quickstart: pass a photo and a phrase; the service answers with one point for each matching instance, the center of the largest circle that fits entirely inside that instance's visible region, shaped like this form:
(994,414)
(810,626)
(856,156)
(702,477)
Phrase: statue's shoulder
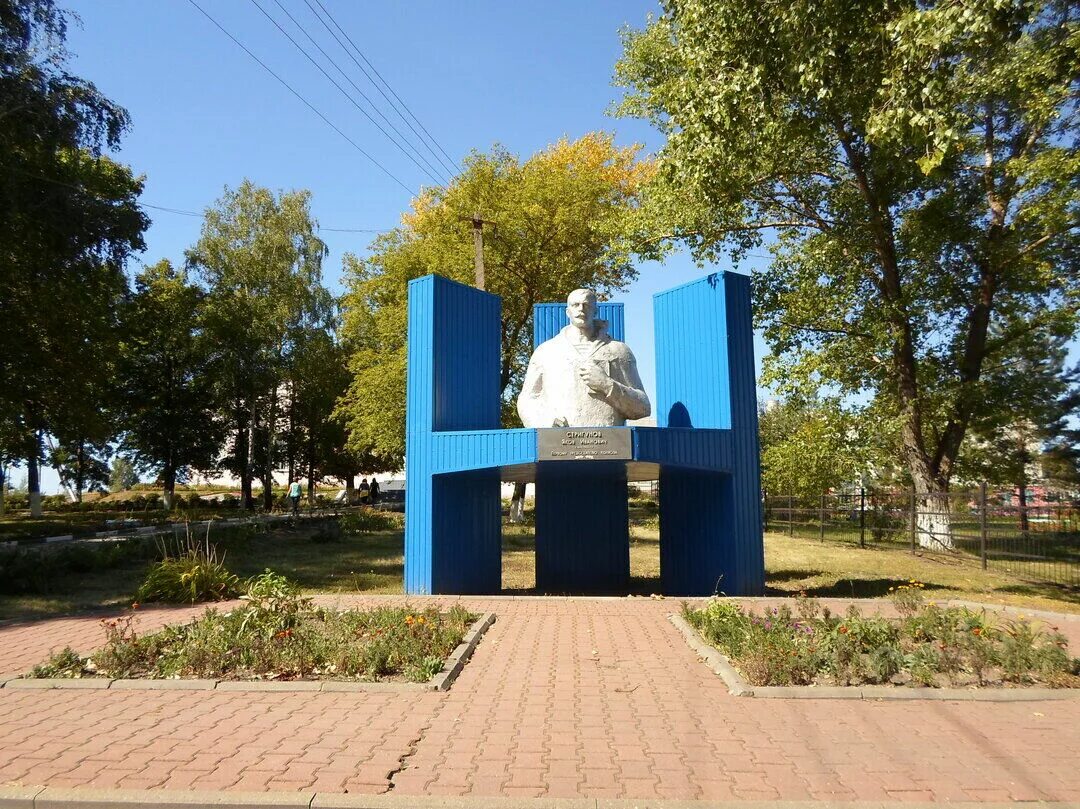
(617,350)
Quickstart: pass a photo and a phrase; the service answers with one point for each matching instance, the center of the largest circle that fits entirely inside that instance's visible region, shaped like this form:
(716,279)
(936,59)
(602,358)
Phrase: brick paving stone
(595,698)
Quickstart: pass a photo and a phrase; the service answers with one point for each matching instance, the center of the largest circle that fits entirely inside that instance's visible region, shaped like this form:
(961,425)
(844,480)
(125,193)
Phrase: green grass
(372,563)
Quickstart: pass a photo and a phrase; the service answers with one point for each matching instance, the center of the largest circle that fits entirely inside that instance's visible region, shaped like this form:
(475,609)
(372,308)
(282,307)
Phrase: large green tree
(68,222)
(261,262)
(169,415)
(557,221)
(916,163)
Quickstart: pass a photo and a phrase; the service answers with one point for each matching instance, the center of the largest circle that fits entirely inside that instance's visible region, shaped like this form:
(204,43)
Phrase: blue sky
(205,115)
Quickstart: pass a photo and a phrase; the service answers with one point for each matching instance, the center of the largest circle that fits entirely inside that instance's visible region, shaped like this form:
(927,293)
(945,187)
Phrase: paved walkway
(564,697)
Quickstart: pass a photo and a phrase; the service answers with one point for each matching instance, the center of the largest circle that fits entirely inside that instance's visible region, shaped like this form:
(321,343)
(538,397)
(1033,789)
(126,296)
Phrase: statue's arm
(529,404)
(627,392)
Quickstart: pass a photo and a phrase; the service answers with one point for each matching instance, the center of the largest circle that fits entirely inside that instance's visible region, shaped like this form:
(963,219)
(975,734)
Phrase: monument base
(582,534)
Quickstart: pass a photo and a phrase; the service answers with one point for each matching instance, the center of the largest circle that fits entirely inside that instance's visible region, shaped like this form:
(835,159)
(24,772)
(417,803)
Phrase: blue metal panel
(706,450)
(693,388)
(582,527)
(482,449)
(452,524)
(696,516)
(550,318)
(748,552)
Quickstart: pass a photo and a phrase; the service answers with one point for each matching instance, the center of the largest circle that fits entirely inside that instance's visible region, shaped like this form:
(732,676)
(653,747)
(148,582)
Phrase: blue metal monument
(704,451)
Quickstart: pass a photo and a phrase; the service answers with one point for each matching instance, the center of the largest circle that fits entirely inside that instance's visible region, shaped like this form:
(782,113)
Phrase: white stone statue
(581,377)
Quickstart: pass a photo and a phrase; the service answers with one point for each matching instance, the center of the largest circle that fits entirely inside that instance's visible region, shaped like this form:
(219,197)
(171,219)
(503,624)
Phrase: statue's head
(581,308)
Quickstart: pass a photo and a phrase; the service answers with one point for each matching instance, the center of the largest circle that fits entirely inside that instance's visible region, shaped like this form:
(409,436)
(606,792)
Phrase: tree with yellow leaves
(565,218)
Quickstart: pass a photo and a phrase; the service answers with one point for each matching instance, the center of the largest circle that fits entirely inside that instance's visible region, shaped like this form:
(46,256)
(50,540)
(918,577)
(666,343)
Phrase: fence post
(822,516)
(982,523)
(862,517)
(914,520)
(790,516)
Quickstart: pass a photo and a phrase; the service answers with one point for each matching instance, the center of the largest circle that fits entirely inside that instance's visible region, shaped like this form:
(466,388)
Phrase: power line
(306,103)
(343,91)
(363,95)
(452,165)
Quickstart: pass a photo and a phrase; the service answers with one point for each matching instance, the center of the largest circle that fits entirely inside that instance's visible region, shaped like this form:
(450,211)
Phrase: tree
(561,221)
(68,221)
(81,466)
(916,163)
(122,475)
(170,417)
(810,446)
(262,264)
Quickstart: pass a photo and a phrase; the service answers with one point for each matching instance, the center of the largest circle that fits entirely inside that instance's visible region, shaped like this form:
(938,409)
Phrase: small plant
(927,646)
(195,574)
(369,520)
(65,663)
(907,598)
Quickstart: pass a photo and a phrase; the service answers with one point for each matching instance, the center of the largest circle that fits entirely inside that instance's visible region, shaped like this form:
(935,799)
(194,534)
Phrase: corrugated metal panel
(690,449)
(550,318)
(582,528)
(452,522)
(748,549)
(484,449)
(692,381)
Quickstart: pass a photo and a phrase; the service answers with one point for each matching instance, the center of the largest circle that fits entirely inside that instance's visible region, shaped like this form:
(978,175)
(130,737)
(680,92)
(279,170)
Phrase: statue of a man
(581,377)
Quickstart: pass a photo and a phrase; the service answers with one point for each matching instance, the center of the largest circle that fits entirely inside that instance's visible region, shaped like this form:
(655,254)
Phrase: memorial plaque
(584,444)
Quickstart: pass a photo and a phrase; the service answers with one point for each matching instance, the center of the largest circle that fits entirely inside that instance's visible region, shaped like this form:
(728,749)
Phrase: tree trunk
(1022,509)
(3,487)
(80,471)
(517,503)
(169,491)
(247,500)
(933,519)
(350,489)
(268,466)
(33,476)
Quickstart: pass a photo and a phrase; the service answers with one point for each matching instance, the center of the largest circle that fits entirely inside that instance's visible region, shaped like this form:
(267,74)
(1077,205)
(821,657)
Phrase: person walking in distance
(294,495)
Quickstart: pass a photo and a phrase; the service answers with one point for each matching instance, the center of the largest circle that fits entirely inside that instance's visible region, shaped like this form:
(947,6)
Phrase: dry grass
(372,563)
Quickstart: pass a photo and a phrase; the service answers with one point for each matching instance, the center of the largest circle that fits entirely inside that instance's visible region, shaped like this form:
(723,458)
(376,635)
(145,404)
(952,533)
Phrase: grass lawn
(373,563)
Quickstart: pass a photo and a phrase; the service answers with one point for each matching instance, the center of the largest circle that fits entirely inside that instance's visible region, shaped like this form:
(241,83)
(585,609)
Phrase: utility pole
(478,246)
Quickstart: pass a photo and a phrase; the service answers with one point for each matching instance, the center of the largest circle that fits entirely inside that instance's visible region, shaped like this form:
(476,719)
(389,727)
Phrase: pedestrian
(374,493)
(294,495)
(365,491)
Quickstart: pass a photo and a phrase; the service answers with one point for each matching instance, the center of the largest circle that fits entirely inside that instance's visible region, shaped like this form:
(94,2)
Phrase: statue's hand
(596,380)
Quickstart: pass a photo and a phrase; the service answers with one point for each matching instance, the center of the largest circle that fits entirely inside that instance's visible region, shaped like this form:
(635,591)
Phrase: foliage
(170,417)
(193,575)
(277,635)
(917,165)
(561,220)
(122,475)
(261,263)
(69,219)
(811,446)
(927,645)
(37,570)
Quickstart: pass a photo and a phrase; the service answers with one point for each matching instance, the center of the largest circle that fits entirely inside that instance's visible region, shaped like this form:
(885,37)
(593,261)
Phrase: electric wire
(451,165)
(405,139)
(344,92)
(306,103)
(180,211)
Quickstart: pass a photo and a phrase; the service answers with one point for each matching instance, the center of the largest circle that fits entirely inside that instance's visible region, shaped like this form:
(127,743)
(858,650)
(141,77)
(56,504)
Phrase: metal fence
(1038,541)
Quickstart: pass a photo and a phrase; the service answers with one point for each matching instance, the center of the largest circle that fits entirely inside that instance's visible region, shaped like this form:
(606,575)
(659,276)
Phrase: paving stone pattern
(563,697)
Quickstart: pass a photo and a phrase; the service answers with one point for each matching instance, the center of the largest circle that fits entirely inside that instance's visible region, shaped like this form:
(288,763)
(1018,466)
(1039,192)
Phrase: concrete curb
(457,659)
(738,687)
(57,798)
(442,681)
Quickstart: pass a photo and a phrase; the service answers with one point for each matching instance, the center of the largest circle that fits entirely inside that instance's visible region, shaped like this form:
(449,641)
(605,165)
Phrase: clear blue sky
(206,115)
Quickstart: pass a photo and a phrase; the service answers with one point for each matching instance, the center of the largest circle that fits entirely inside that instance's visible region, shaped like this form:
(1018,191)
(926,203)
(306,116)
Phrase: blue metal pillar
(710,524)
(582,534)
(452,521)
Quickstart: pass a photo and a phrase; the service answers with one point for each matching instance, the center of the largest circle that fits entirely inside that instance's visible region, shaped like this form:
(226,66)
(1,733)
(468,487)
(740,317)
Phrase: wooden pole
(478,248)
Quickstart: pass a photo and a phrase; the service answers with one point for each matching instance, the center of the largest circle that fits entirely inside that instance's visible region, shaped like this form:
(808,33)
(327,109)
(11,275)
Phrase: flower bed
(276,635)
(926,645)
